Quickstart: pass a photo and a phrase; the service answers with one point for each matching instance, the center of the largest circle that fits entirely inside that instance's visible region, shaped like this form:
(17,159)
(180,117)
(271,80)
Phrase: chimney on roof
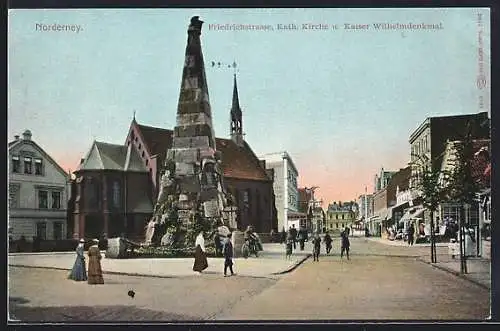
(27,135)
(16,137)
(82,160)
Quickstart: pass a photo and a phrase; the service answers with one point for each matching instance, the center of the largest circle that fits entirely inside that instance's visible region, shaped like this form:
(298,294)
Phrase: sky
(342,102)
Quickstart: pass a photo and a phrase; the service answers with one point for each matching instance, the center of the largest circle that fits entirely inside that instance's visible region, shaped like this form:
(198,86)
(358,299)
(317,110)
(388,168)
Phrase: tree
(463,186)
(433,191)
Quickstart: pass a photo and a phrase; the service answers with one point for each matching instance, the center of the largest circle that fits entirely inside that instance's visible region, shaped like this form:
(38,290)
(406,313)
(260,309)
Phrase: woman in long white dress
(200,257)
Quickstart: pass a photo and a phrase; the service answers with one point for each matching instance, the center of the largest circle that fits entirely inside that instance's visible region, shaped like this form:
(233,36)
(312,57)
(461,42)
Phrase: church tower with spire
(236,117)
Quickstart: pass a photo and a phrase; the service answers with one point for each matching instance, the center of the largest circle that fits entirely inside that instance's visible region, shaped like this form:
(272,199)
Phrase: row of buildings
(115,187)
(396,200)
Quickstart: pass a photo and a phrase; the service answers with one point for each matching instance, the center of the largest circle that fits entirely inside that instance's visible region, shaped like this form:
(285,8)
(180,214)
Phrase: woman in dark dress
(200,257)
(95,269)
(79,273)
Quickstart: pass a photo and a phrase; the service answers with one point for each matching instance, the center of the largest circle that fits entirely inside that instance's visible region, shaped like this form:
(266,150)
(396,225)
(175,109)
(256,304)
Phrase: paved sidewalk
(478,269)
(271,262)
(402,242)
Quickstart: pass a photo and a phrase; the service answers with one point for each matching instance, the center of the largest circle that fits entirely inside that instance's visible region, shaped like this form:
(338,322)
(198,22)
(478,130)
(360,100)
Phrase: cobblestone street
(379,282)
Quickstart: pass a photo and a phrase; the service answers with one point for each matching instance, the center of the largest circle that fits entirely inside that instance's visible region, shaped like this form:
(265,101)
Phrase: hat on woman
(95,241)
(82,240)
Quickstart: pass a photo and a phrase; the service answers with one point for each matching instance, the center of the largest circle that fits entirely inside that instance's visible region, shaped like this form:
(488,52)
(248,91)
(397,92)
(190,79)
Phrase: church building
(117,185)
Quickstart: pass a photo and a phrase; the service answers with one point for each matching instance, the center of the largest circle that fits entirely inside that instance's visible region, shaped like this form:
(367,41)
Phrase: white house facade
(38,192)
(285,187)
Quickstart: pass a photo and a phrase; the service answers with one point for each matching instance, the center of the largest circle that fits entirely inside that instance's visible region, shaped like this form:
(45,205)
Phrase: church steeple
(236,117)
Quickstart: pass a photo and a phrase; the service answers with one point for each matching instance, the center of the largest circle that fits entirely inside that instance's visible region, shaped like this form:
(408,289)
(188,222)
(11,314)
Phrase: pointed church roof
(104,156)
(235,108)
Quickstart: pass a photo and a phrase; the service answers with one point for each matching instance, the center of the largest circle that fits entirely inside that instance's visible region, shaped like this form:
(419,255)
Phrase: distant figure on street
(218,243)
(283,236)
(95,269)
(328,242)
(79,272)
(367,232)
(200,257)
(345,244)
(228,255)
(411,234)
(316,247)
(293,231)
(272,234)
(289,245)
(302,238)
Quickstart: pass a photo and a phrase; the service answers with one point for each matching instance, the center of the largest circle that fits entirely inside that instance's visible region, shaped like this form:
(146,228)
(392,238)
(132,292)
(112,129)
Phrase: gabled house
(38,192)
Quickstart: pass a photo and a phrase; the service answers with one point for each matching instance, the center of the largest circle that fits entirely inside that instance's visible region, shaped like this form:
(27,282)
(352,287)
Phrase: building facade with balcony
(38,192)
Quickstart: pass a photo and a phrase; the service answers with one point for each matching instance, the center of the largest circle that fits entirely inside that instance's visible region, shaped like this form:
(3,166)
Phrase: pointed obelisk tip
(195,23)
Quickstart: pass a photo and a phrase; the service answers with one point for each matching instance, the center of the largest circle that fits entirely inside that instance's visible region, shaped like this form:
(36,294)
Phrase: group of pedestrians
(344,244)
(79,272)
(200,256)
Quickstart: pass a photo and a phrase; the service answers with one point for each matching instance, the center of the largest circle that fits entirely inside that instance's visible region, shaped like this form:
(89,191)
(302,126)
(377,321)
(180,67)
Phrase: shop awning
(412,213)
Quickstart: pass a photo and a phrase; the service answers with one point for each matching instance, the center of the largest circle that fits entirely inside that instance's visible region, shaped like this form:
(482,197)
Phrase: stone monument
(192,194)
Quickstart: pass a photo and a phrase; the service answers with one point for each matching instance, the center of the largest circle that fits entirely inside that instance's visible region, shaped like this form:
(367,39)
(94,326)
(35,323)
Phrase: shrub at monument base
(163,252)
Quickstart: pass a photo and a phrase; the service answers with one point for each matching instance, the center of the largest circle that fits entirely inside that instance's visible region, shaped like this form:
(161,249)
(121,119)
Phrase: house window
(38,166)
(139,147)
(28,163)
(43,199)
(116,194)
(58,230)
(41,230)
(147,161)
(16,164)
(56,200)
(342,216)
(336,216)
(142,154)
(336,225)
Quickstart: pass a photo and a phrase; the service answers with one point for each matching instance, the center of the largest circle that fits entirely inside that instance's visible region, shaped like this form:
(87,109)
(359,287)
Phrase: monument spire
(194,115)
(191,186)
(236,117)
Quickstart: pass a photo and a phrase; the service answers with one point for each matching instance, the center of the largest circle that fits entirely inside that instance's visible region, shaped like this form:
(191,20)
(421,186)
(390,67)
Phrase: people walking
(289,245)
(200,257)
(316,247)
(328,242)
(345,244)
(95,269)
(283,236)
(302,238)
(79,273)
(227,250)
(411,234)
(293,230)
(218,243)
